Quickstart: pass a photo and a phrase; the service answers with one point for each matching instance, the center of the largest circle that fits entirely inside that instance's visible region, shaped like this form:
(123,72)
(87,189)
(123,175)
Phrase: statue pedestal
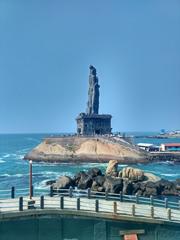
(92,124)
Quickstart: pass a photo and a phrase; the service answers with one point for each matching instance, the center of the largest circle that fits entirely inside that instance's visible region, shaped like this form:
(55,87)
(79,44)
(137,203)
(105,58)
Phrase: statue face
(92,70)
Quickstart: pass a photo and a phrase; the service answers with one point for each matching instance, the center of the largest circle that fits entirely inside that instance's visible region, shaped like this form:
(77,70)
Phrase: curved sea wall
(165,156)
(58,226)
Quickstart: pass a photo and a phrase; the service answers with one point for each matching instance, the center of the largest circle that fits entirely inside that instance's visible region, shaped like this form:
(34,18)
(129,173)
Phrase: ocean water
(14,171)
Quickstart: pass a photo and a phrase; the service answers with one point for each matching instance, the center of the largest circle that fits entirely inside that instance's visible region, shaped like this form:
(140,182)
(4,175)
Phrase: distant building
(149,147)
(92,122)
(170,147)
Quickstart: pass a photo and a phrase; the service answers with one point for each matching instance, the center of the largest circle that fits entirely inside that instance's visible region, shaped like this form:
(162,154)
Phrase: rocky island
(86,149)
(93,141)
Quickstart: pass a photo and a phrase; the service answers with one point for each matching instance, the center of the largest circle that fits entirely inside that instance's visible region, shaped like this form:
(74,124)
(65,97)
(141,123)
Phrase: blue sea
(14,171)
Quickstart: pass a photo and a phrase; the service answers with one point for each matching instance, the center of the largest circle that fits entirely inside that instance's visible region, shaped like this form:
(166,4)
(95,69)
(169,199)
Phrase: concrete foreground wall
(75,228)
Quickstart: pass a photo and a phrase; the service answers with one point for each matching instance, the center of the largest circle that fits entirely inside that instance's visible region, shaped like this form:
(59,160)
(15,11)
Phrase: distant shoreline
(164,136)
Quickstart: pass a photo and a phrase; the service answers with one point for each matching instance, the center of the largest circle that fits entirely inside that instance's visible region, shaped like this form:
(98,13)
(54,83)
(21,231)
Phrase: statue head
(92,70)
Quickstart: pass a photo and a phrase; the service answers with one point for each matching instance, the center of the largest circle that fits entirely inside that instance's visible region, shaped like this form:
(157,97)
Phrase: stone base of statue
(93,124)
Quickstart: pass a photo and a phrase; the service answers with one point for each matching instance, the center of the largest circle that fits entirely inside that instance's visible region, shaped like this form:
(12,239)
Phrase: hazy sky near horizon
(46,48)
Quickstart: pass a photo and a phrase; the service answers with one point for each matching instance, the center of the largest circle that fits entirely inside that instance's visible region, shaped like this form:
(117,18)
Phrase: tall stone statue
(93,92)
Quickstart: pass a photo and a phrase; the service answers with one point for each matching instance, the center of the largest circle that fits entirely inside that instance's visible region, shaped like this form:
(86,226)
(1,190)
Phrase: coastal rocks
(151,177)
(97,184)
(85,181)
(94,172)
(162,187)
(133,174)
(151,189)
(63,182)
(113,185)
(82,180)
(145,189)
(177,183)
(77,177)
(167,188)
(112,168)
(130,181)
(50,182)
(127,187)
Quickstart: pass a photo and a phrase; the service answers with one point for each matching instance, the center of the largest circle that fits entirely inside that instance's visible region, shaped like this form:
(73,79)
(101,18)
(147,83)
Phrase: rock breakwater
(129,181)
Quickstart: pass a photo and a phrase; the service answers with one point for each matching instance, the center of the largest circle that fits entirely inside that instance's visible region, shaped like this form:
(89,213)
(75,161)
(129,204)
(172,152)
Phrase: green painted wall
(66,228)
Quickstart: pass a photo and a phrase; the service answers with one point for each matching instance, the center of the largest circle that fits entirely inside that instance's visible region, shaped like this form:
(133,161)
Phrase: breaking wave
(170,174)
(55,174)
(41,185)
(122,165)
(5,175)
(6,155)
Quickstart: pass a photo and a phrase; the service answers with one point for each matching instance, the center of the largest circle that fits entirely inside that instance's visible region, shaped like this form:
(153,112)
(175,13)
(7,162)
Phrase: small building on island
(170,147)
(149,147)
(91,122)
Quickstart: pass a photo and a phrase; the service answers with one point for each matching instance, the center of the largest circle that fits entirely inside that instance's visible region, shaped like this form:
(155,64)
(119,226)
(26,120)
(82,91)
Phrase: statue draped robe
(93,93)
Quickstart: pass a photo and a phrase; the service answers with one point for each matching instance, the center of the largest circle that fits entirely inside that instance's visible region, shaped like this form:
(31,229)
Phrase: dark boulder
(63,182)
(138,188)
(85,181)
(166,187)
(145,189)
(127,187)
(113,185)
(151,189)
(94,172)
(98,184)
(150,192)
(77,177)
(100,180)
(177,184)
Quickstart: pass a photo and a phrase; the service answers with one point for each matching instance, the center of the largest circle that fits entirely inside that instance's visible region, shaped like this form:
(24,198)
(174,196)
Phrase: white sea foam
(56,174)
(170,174)
(43,164)
(92,165)
(122,165)
(169,163)
(6,155)
(20,156)
(13,155)
(41,185)
(5,175)
(17,156)
(2,161)
(22,162)
(23,150)
(19,175)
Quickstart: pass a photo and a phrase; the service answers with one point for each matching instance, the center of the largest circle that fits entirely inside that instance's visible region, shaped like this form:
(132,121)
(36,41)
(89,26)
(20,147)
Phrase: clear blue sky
(46,47)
